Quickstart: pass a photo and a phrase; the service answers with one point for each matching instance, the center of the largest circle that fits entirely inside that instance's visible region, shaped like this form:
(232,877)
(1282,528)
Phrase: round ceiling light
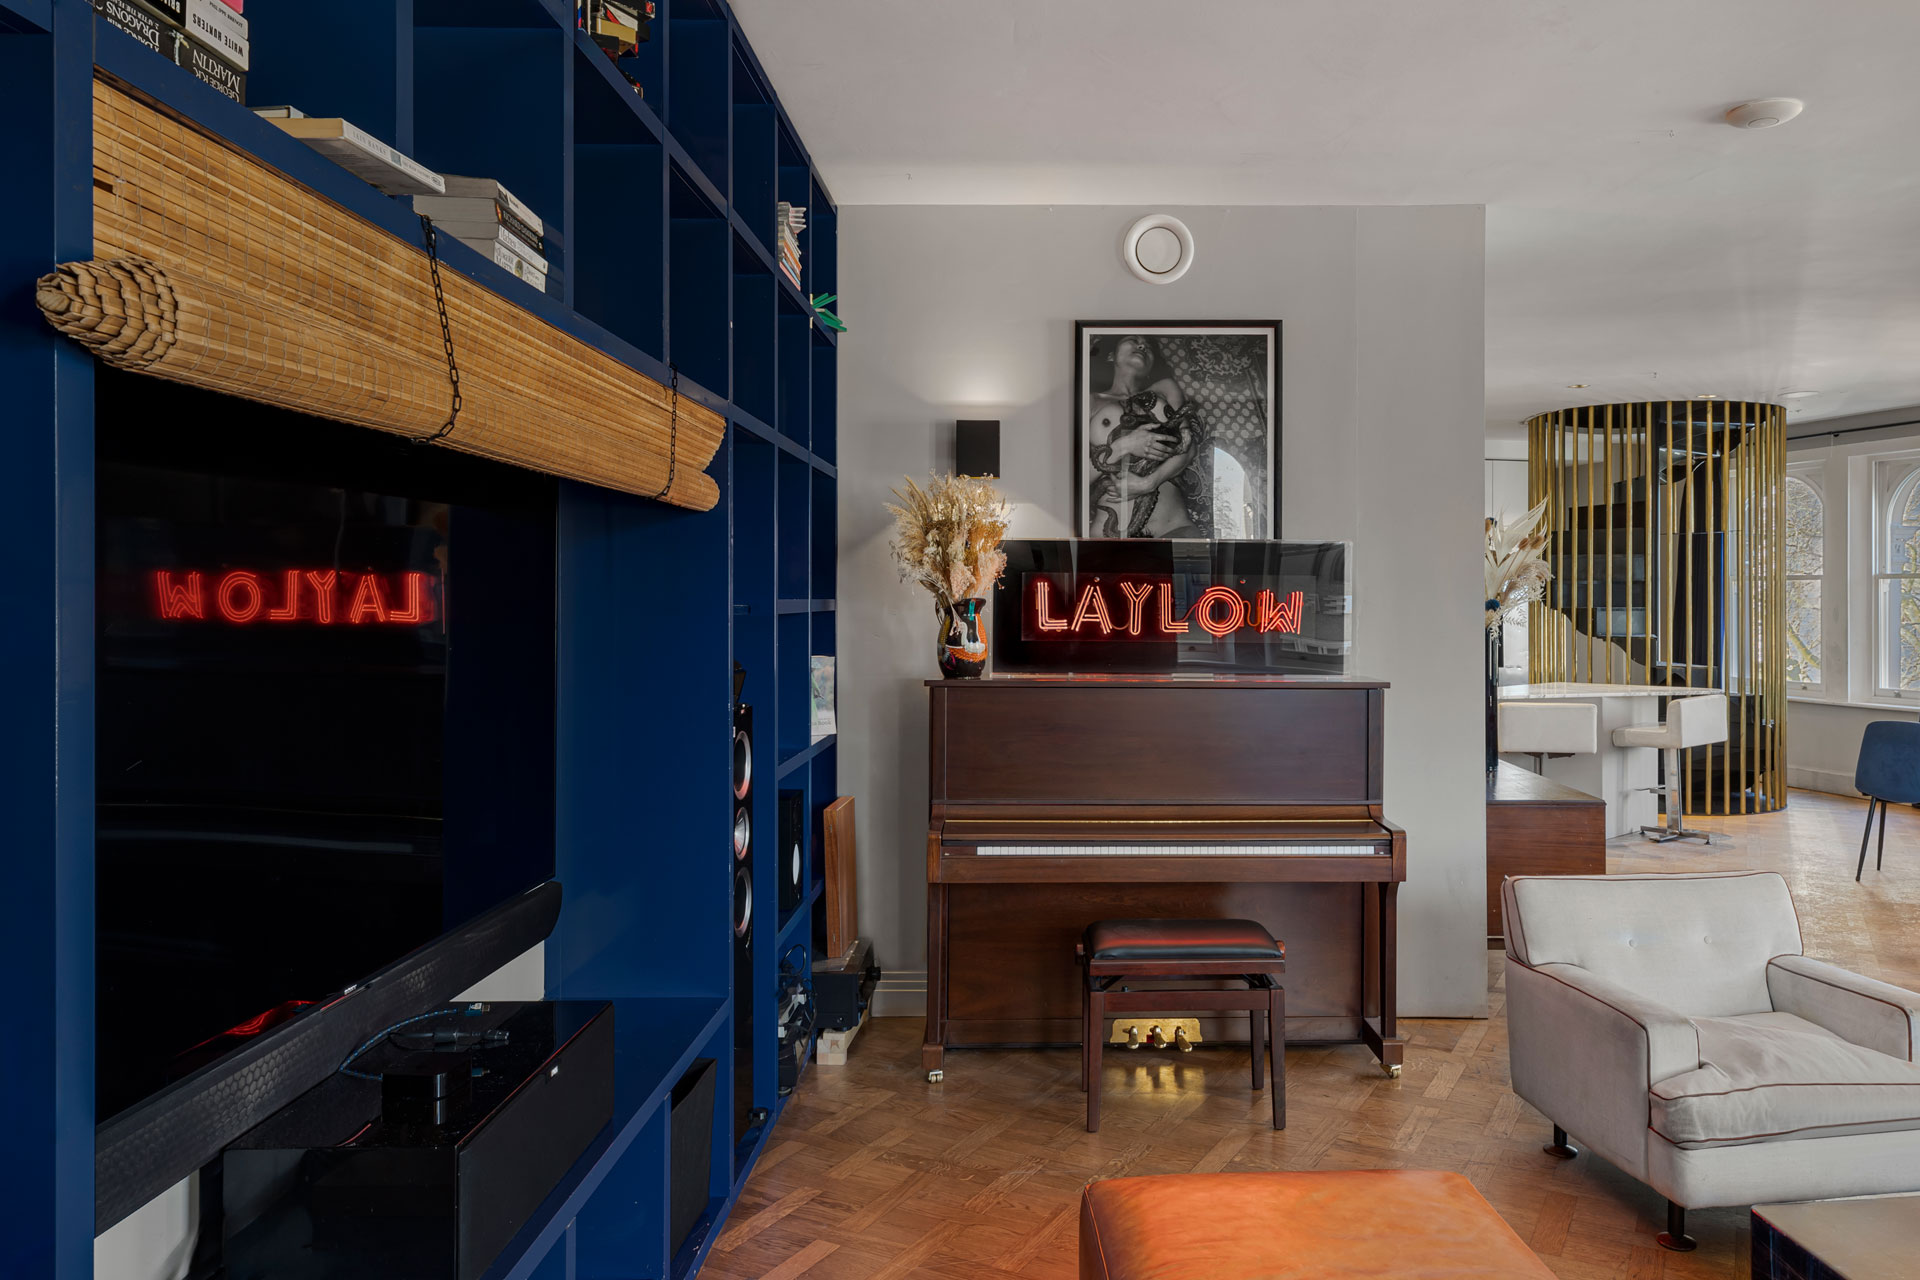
(1764,113)
(1158,248)
(1578,386)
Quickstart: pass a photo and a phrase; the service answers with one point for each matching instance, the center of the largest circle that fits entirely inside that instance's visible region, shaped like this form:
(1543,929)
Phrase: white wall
(967,312)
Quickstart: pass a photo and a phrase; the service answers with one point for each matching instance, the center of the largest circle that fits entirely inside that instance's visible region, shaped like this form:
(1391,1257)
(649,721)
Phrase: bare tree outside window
(1806,557)
(1897,575)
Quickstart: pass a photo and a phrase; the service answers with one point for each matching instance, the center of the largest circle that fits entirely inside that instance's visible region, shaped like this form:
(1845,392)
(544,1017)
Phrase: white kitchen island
(1615,774)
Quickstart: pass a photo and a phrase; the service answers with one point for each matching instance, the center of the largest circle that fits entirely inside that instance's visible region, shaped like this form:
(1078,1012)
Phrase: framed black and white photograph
(1177,428)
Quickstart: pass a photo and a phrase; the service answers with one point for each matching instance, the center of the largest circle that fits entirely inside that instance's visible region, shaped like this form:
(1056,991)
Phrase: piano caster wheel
(935,1076)
(1393,1071)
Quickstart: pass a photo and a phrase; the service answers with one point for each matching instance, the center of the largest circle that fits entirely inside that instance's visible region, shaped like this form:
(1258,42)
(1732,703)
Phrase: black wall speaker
(793,818)
(976,447)
(742,862)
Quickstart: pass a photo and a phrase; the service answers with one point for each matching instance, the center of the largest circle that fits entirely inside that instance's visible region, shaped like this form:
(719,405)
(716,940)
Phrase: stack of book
(358,152)
(207,37)
(790,220)
(619,27)
(490,220)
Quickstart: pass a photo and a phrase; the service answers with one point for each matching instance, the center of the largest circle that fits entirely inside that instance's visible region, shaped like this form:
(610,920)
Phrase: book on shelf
(221,29)
(820,672)
(209,67)
(142,23)
(483,236)
(280,112)
(238,6)
(461,188)
(481,211)
(364,156)
(619,27)
(793,276)
(519,266)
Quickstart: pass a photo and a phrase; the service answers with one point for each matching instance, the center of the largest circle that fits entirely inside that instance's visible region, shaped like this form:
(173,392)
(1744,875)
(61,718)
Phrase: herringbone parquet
(875,1174)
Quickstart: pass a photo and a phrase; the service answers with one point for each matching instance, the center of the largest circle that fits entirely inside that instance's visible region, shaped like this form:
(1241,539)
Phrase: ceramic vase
(963,647)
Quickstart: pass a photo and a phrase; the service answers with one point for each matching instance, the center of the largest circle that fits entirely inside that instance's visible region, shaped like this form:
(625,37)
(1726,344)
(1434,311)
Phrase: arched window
(1896,573)
(1806,566)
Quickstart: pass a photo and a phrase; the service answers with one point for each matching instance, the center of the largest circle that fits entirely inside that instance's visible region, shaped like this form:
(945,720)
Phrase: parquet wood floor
(874,1174)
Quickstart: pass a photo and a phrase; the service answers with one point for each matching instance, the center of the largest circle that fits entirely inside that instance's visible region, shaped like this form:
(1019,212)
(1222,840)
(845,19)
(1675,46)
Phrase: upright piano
(1055,801)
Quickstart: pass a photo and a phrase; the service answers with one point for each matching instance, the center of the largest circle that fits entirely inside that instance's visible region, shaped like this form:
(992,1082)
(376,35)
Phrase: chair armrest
(1873,1015)
(1585,1051)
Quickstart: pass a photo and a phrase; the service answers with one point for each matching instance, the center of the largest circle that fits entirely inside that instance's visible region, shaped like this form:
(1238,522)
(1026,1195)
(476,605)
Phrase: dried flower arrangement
(947,537)
(1517,574)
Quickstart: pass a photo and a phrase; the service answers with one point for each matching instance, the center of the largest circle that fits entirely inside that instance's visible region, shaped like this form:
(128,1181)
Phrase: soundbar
(157,1142)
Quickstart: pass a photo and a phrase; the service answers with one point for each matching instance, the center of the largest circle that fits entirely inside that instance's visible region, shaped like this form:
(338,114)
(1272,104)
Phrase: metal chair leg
(1561,1148)
(1669,792)
(1675,1237)
(1871,804)
(1880,850)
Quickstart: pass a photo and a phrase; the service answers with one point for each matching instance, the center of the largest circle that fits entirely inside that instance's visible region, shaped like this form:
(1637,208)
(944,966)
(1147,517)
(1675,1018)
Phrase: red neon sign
(323,597)
(1142,608)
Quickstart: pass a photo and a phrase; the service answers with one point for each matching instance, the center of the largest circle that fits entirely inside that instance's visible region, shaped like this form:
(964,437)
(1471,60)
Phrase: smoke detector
(1764,113)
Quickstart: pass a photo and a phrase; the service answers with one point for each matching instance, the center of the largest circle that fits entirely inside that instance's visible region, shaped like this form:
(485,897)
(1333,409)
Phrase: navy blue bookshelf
(659,210)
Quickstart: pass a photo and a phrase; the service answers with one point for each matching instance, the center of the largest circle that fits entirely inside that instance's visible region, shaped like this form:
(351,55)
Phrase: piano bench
(1399,1223)
(1202,952)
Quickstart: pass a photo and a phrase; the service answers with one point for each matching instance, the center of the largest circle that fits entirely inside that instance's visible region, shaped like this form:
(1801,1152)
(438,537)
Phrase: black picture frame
(1229,397)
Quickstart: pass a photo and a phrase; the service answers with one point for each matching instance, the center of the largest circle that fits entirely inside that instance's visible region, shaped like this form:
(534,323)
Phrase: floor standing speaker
(743,989)
(793,818)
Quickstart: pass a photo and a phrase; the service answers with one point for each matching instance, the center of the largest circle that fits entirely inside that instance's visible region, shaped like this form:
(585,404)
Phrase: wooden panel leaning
(216,270)
(842,882)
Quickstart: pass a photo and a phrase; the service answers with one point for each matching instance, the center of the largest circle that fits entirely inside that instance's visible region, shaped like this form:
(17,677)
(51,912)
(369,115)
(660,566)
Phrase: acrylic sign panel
(1147,605)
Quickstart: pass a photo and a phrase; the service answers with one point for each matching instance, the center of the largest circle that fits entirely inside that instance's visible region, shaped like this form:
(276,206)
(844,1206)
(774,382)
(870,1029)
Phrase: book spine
(220,29)
(405,164)
(521,247)
(512,261)
(209,68)
(511,222)
(140,24)
(511,204)
(174,11)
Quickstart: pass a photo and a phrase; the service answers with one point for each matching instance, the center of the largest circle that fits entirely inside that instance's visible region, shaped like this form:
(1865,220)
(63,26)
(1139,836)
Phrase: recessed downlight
(1797,395)
(1578,386)
(1711,395)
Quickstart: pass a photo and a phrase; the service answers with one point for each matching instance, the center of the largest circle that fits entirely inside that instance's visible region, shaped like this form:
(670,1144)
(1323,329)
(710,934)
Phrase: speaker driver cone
(742,763)
(742,833)
(742,902)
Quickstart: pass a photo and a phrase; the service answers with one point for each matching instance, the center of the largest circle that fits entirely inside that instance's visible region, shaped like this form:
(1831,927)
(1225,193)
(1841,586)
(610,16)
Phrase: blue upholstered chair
(1888,773)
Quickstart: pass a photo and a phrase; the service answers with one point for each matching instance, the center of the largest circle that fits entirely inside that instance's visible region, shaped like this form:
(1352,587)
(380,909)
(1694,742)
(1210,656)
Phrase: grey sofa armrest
(1874,1015)
(1585,1051)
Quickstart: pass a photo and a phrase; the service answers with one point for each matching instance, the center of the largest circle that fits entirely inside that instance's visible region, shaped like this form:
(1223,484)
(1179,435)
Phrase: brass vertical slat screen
(1667,537)
(216,270)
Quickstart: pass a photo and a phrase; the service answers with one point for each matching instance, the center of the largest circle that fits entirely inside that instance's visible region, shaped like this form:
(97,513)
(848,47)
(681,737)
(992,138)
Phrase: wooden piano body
(1057,801)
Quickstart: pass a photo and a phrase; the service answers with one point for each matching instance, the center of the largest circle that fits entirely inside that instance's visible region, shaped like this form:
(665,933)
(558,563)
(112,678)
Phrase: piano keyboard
(1349,850)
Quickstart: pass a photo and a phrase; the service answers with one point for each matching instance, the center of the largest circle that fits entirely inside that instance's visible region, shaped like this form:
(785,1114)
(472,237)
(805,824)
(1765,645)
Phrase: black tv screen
(325,726)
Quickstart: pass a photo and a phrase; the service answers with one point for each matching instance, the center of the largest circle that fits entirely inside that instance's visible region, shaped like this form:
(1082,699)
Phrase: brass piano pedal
(1160,1033)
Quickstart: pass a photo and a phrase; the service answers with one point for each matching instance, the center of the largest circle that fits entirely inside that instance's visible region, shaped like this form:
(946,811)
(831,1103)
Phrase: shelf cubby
(699,259)
(297,57)
(823,258)
(491,102)
(619,209)
(795,186)
(791,554)
(794,706)
(795,373)
(754,127)
(826,515)
(826,393)
(754,344)
(698,57)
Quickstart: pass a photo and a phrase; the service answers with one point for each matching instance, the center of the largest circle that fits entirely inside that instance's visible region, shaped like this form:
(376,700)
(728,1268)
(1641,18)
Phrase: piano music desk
(1055,801)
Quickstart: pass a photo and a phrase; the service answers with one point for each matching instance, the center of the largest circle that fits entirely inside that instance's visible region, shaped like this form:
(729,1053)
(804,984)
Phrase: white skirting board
(1838,784)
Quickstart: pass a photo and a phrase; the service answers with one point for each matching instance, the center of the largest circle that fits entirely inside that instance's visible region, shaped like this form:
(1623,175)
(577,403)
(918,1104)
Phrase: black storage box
(331,1185)
(690,1150)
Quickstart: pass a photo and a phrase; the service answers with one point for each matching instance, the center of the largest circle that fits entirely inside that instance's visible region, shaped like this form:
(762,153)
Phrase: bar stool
(1542,729)
(1696,721)
(1205,951)
(1888,771)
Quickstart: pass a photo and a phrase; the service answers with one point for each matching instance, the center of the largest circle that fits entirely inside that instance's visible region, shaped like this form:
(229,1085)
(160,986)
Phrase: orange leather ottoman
(1409,1224)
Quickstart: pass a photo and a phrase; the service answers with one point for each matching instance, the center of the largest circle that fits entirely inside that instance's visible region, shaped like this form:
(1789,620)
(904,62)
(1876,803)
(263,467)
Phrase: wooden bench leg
(1086,1033)
(1258,1042)
(1277,1046)
(1096,1023)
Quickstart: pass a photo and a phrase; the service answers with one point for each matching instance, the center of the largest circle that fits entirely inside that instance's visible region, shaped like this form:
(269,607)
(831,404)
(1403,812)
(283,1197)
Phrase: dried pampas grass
(947,537)
(1516,573)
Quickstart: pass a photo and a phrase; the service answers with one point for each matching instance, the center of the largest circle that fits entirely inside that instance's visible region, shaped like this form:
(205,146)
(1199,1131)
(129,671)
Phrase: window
(1896,576)
(1806,566)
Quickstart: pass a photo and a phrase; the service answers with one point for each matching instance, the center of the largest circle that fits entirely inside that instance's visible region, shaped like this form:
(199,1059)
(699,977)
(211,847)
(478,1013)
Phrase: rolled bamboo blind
(215,270)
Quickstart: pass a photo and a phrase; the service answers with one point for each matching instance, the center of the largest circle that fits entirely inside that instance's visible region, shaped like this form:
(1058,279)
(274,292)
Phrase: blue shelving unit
(661,237)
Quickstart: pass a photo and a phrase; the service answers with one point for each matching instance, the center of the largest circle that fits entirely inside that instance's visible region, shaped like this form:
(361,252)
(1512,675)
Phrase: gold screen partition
(1667,539)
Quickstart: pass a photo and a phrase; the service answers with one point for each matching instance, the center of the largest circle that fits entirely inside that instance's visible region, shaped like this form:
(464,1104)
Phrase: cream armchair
(1671,1023)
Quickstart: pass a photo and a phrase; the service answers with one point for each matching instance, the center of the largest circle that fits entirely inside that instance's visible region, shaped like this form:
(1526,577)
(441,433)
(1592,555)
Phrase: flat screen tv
(325,717)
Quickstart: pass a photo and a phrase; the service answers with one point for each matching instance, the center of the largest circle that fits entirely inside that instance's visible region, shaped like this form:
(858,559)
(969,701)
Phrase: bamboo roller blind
(216,270)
